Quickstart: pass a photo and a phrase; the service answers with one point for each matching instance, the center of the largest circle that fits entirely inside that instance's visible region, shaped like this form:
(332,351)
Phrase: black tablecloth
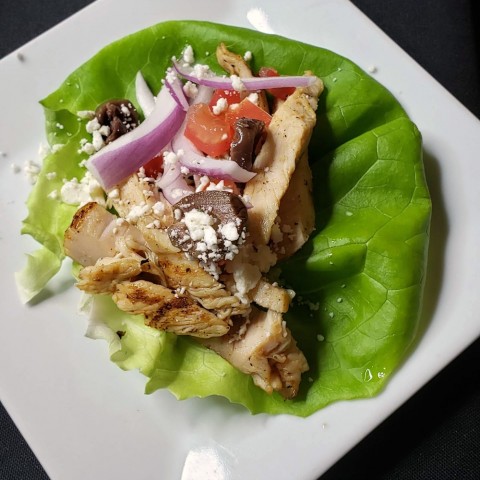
(435,435)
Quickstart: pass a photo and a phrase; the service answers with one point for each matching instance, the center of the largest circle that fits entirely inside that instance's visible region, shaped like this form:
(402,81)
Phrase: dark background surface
(436,434)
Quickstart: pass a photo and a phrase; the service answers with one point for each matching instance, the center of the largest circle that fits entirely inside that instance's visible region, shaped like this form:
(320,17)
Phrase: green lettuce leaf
(359,279)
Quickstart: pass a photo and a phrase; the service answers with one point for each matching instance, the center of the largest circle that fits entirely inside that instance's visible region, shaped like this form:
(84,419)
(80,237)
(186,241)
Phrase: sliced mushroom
(119,115)
(247,140)
(212,225)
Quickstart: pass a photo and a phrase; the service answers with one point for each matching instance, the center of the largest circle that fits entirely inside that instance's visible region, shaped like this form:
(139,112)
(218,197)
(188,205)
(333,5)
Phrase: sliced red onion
(248,84)
(124,156)
(175,87)
(215,168)
(173,184)
(145,97)
(204,95)
(192,158)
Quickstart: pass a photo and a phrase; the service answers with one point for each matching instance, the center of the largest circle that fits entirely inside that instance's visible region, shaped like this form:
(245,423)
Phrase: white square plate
(84,417)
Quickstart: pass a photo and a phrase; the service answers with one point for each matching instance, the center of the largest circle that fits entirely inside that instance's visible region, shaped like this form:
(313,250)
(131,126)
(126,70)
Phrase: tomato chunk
(247,109)
(210,133)
(231,96)
(280,93)
(154,166)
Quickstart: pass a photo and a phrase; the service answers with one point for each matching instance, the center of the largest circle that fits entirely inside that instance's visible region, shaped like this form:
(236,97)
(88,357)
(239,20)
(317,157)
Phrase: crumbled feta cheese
(53,194)
(237,84)
(220,107)
(43,150)
(137,212)
(230,232)
(158,208)
(247,56)
(97,141)
(93,125)
(201,71)
(190,89)
(57,147)
(87,190)
(86,114)
(188,56)
(31,170)
(372,69)
(253,97)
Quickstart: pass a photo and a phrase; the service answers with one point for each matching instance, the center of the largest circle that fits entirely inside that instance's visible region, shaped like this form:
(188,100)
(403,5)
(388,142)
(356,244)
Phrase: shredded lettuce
(359,279)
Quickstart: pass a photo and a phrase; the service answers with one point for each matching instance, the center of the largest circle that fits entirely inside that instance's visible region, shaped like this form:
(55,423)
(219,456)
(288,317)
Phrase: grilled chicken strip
(92,239)
(296,212)
(142,205)
(287,141)
(271,296)
(166,311)
(182,273)
(95,233)
(267,351)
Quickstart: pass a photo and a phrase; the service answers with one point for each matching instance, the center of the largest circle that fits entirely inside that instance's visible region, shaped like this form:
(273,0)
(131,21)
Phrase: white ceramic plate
(84,417)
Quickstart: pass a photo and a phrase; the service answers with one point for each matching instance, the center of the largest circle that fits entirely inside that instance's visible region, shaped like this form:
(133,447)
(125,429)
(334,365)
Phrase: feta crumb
(97,141)
(53,194)
(57,147)
(43,150)
(253,97)
(237,84)
(190,89)
(137,212)
(88,189)
(247,56)
(201,71)
(220,106)
(51,175)
(230,232)
(93,125)
(158,208)
(86,114)
(188,56)
(372,69)
(31,171)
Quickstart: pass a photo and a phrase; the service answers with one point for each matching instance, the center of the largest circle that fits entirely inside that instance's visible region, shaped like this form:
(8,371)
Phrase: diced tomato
(247,109)
(231,96)
(280,93)
(154,166)
(210,133)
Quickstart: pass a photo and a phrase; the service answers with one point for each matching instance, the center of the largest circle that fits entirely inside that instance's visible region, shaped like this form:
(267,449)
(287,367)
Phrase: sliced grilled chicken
(167,311)
(107,273)
(182,273)
(271,296)
(103,274)
(235,65)
(141,205)
(267,351)
(296,212)
(95,233)
(287,141)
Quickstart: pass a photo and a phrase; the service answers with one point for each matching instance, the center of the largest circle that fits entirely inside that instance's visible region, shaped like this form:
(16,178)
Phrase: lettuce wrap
(358,280)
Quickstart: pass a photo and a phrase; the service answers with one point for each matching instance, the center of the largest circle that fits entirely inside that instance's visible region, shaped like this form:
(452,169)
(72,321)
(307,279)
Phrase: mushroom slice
(167,311)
